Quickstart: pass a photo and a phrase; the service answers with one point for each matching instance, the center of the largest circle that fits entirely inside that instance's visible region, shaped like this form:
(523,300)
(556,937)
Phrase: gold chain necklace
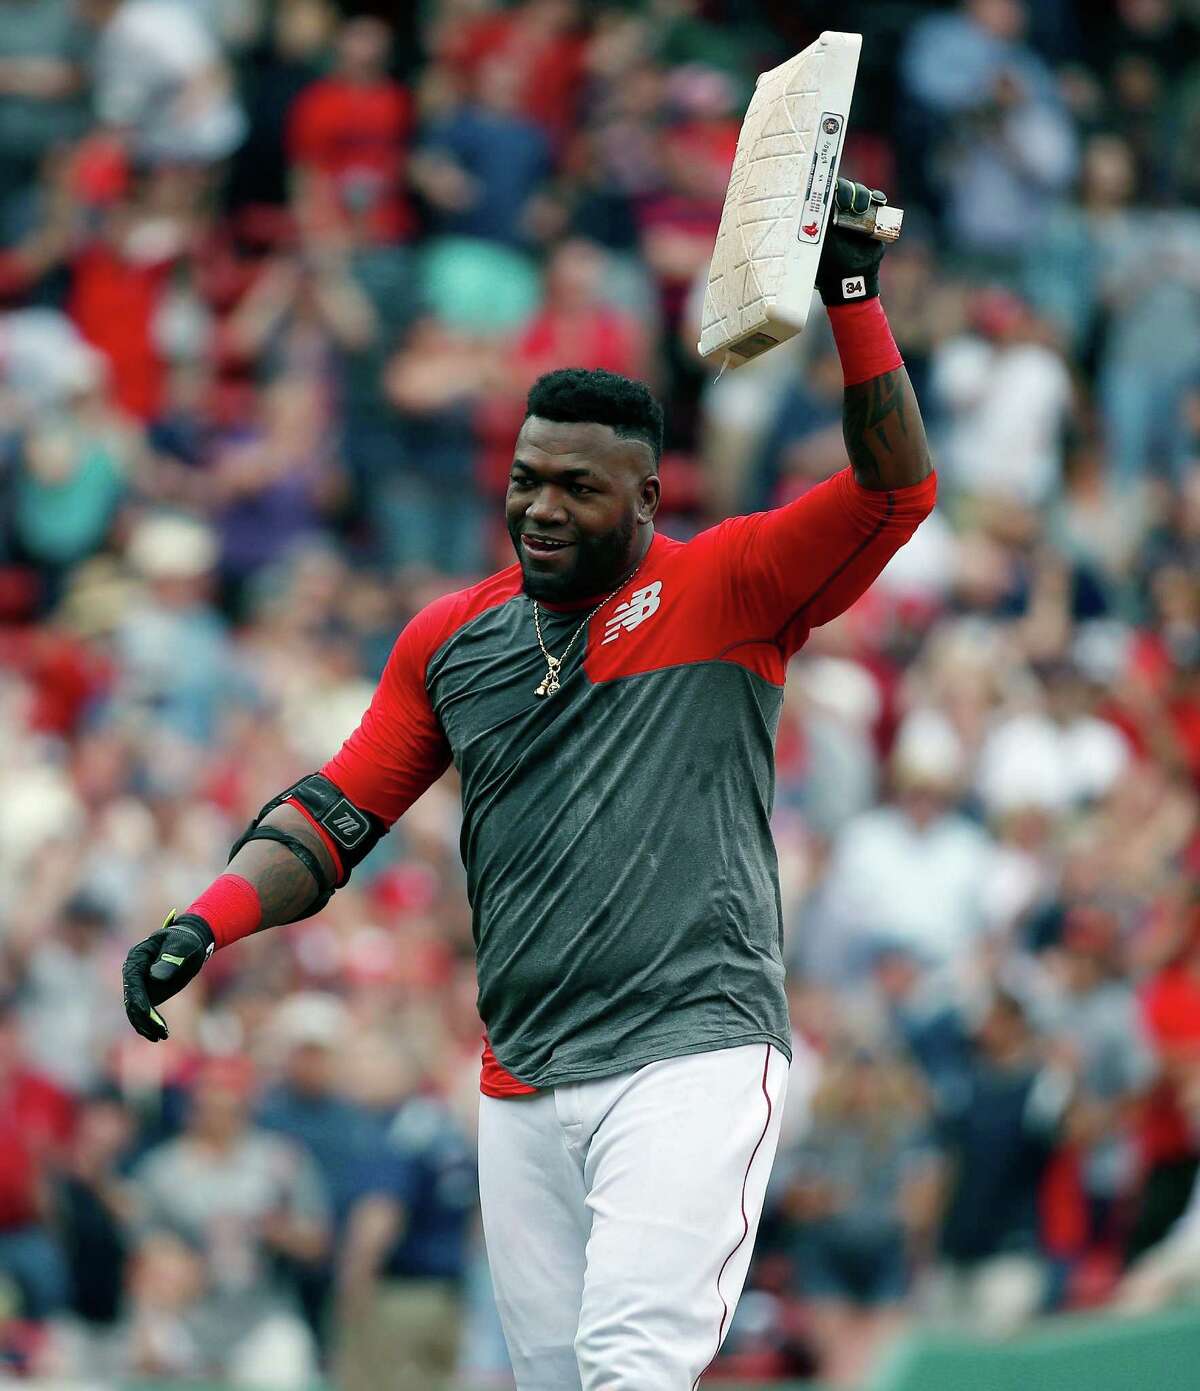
(550,682)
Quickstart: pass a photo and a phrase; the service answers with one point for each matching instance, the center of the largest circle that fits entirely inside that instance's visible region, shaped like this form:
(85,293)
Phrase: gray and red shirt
(616,835)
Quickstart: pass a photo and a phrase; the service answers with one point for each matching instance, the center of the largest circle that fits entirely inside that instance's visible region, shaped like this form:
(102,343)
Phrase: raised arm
(881,421)
(794,567)
(884,432)
(304,843)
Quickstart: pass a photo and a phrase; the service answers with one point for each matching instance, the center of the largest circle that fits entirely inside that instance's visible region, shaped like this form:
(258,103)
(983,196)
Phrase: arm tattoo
(285,887)
(884,433)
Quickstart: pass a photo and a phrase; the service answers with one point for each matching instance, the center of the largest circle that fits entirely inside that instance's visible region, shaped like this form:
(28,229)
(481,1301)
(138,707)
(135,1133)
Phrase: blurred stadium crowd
(273,282)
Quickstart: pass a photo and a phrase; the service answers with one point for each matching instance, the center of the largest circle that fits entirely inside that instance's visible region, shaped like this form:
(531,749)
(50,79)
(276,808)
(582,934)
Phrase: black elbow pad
(353,831)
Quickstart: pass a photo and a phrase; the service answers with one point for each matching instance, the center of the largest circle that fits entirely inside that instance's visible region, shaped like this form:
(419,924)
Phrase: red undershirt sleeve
(794,568)
(398,749)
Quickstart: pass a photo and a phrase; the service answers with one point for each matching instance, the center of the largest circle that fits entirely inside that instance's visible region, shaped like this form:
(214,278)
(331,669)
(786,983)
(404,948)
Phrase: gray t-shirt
(216,1203)
(616,835)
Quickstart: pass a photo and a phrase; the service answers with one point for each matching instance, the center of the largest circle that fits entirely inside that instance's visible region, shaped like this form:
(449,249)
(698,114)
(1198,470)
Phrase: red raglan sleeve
(398,749)
(789,570)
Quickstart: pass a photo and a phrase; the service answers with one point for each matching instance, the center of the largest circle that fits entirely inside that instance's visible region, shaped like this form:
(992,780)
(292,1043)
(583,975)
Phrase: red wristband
(231,907)
(864,341)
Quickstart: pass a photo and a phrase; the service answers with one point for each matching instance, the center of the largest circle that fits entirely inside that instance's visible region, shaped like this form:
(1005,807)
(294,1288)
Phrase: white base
(777,205)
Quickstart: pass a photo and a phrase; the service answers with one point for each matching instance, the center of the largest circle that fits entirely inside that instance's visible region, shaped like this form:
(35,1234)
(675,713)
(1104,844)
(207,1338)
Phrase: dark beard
(601,563)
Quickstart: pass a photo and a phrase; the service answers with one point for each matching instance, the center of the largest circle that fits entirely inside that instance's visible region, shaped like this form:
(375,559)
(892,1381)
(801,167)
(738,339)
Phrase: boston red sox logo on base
(639,606)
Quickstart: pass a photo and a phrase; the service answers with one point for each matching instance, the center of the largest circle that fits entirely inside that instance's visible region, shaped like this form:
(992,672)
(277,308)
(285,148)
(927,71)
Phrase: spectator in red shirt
(575,327)
(119,284)
(1171,1009)
(36,1120)
(143,273)
(348,133)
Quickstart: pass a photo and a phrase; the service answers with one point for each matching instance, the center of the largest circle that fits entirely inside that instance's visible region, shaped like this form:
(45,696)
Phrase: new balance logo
(346,825)
(640,605)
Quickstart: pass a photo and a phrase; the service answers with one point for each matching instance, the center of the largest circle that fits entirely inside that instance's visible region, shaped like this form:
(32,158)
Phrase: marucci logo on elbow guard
(346,824)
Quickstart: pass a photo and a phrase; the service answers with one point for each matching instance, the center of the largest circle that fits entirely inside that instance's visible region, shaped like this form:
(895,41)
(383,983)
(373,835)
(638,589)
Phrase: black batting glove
(160,966)
(848,272)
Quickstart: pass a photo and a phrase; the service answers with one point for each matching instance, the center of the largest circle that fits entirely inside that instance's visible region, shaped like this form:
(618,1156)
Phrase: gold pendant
(549,684)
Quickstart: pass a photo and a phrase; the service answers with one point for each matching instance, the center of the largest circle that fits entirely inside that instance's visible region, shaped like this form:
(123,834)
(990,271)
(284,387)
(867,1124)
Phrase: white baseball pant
(620,1216)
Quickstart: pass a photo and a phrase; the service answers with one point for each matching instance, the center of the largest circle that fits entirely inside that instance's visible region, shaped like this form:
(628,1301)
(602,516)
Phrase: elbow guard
(353,831)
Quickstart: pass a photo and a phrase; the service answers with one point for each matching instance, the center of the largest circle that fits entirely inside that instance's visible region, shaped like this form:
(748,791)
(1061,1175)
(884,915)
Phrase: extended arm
(794,567)
(306,841)
(881,421)
(282,869)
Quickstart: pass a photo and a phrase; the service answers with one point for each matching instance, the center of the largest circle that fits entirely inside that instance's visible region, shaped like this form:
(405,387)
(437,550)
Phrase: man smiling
(610,703)
(594,522)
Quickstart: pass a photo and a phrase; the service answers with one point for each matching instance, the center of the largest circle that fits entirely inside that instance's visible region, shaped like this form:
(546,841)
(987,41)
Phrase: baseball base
(777,205)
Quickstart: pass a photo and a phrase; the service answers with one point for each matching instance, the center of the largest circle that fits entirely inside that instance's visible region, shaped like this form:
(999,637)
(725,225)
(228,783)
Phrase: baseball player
(610,702)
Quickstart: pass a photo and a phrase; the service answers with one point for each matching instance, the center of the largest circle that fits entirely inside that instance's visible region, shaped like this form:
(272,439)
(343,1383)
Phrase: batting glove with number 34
(160,966)
(849,268)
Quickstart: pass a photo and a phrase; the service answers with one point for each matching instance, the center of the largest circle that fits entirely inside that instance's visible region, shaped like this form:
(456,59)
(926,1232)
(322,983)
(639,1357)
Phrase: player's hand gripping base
(160,966)
(849,268)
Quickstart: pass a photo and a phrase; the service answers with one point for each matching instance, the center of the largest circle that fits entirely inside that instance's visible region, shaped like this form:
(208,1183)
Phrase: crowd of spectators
(274,278)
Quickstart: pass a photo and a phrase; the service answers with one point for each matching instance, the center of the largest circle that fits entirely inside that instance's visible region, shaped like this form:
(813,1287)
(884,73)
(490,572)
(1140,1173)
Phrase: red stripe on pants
(745,1219)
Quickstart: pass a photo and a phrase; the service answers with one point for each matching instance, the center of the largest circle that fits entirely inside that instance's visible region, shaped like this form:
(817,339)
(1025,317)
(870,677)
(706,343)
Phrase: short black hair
(581,395)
